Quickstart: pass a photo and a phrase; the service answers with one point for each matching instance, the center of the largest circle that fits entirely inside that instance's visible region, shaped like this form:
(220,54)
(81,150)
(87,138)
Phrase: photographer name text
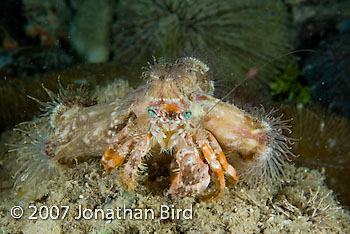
(61,212)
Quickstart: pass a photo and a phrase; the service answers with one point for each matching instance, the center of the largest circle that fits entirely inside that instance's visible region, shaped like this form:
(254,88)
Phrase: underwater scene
(174,116)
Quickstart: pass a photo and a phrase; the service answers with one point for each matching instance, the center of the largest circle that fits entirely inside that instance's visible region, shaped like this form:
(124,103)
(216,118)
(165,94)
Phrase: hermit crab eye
(187,114)
(151,112)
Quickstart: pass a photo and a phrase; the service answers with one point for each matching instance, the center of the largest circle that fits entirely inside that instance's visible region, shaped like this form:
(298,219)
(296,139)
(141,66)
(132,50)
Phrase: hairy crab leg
(217,162)
(131,167)
(114,157)
(216,168)
(229,170)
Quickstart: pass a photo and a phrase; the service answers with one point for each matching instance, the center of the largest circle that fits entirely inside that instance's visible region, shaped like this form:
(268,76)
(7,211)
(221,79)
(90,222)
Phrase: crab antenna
(249,75)
(252,73)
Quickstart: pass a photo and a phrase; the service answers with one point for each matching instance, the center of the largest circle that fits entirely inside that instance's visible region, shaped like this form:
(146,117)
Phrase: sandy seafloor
(302,204)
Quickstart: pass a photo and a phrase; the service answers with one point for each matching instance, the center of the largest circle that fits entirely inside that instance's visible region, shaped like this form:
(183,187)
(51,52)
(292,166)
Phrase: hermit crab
(175,112)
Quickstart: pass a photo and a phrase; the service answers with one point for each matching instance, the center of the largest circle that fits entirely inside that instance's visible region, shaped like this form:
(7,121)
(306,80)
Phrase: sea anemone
(34,149)
(16,107)
(244,34)
(34,163)
(65,99)
(268,165)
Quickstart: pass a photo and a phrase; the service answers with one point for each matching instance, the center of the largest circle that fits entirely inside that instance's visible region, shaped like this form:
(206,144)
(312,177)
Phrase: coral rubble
(302,204)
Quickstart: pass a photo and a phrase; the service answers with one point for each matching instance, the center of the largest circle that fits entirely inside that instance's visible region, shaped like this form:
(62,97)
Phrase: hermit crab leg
(216,169)
(217,162)
(229,170)
(131,167)
(114,156)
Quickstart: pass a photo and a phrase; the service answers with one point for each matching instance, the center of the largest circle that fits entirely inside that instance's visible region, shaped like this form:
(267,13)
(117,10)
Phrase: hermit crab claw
(190,175)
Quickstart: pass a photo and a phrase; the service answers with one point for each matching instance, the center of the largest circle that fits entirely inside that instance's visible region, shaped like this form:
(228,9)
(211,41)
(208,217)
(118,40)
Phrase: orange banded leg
(229,170)
(114,157)
(216,168)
